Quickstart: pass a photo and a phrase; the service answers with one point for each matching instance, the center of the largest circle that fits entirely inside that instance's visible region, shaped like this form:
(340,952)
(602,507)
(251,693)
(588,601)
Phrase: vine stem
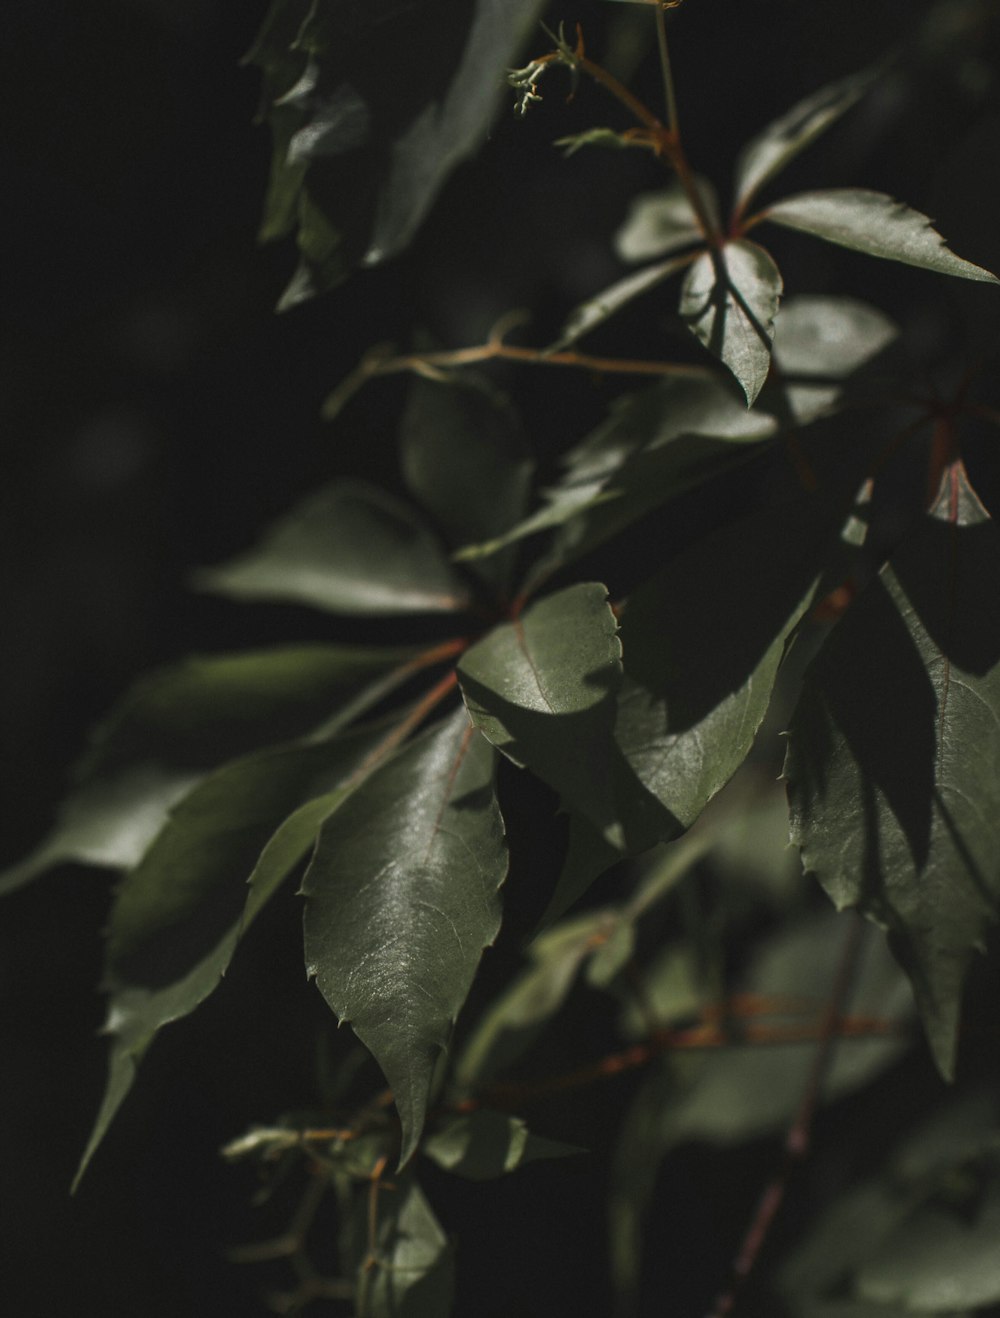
(669,90)
(799,1136)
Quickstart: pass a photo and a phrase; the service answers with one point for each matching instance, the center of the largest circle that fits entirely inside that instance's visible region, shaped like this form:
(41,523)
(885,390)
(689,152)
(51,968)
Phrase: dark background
(156,412)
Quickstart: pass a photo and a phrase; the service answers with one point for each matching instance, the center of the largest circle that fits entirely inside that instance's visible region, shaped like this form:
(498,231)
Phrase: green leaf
(411,1272)
(465,458)
(596,310)
(177,724)
(365,135)
(401,899)
(485,1144)
(729,300)
(514,1020)
(542,690)
(350,548)
(891,765)
(768,153)
(604,137)
(663,221)
(874,223)
(696,692)
(818,342)
(178,916)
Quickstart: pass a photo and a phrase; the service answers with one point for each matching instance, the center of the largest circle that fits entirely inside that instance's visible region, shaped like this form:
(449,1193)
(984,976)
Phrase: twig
(799,1135)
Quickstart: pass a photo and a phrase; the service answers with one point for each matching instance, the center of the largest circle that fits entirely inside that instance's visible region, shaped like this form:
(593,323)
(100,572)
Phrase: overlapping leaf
(350,548)
(893,763)
(730,299)
(177,724)
(485,1144)
(410,1271)
(178,916)
(402,897)
(876,224)
(364,134)
(465,457)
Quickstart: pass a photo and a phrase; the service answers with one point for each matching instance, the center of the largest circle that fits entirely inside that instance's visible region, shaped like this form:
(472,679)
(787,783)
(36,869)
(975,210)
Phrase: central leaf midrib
(522,642)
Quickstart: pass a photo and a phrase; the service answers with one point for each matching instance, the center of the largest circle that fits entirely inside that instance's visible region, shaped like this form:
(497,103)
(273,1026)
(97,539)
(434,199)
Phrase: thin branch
(798,1139)
(668,74)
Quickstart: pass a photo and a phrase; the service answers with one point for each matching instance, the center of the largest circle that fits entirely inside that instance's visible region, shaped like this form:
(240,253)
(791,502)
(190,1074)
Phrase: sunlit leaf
(485,1144)
(410,1272)
(779,143)
(401,899)
(729,300)
(876,224)
(350,548)
(894,751)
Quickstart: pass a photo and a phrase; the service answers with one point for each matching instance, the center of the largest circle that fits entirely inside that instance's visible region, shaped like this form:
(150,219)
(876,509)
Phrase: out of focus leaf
(485,1144)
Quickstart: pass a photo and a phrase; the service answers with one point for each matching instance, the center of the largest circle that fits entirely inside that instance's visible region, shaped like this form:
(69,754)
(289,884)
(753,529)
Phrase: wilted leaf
(874,223)
(465,457)
(779,143)
(485,1144)
(350,548)
(401,899)
(893,762)
(661,222)
(178,916)
(729,300)
(596,310)
(177,724)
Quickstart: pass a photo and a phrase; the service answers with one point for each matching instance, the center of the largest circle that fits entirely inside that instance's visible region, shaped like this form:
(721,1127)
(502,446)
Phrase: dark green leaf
(729,300)
(664,221)
(893,751)
(402,897)
(874,223)
(542,690)
(465,457)
(596,310)
(351,548)
(486,1144)
(365,135)
(178,916)
(698,681)
(177,724)
(779,143)
(411,1273)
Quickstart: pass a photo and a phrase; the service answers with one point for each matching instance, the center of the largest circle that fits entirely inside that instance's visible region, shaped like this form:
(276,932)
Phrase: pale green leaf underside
(351,548)
(402,897)
(893,761)
(729,300)
(876,224)
(768,153)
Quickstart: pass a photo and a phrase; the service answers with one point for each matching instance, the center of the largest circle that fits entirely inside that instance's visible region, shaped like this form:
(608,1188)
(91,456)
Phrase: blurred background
(156,412)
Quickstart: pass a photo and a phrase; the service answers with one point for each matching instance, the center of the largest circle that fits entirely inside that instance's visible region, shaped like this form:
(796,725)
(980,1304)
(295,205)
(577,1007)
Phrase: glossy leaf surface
(876,224)
(729,300)
(401,899)
(351,548)
(893,762)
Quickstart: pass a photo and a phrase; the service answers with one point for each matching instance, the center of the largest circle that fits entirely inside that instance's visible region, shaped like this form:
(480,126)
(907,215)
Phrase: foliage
(386,778)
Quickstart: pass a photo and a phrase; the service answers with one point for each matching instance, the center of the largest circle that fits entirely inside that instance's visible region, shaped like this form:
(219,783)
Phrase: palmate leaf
(767,154)
(402,895)
(177,724)
(893,761)
(876,224)
(178,916)
(730,299)
(350,548)
(465,458)
(484,1144)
